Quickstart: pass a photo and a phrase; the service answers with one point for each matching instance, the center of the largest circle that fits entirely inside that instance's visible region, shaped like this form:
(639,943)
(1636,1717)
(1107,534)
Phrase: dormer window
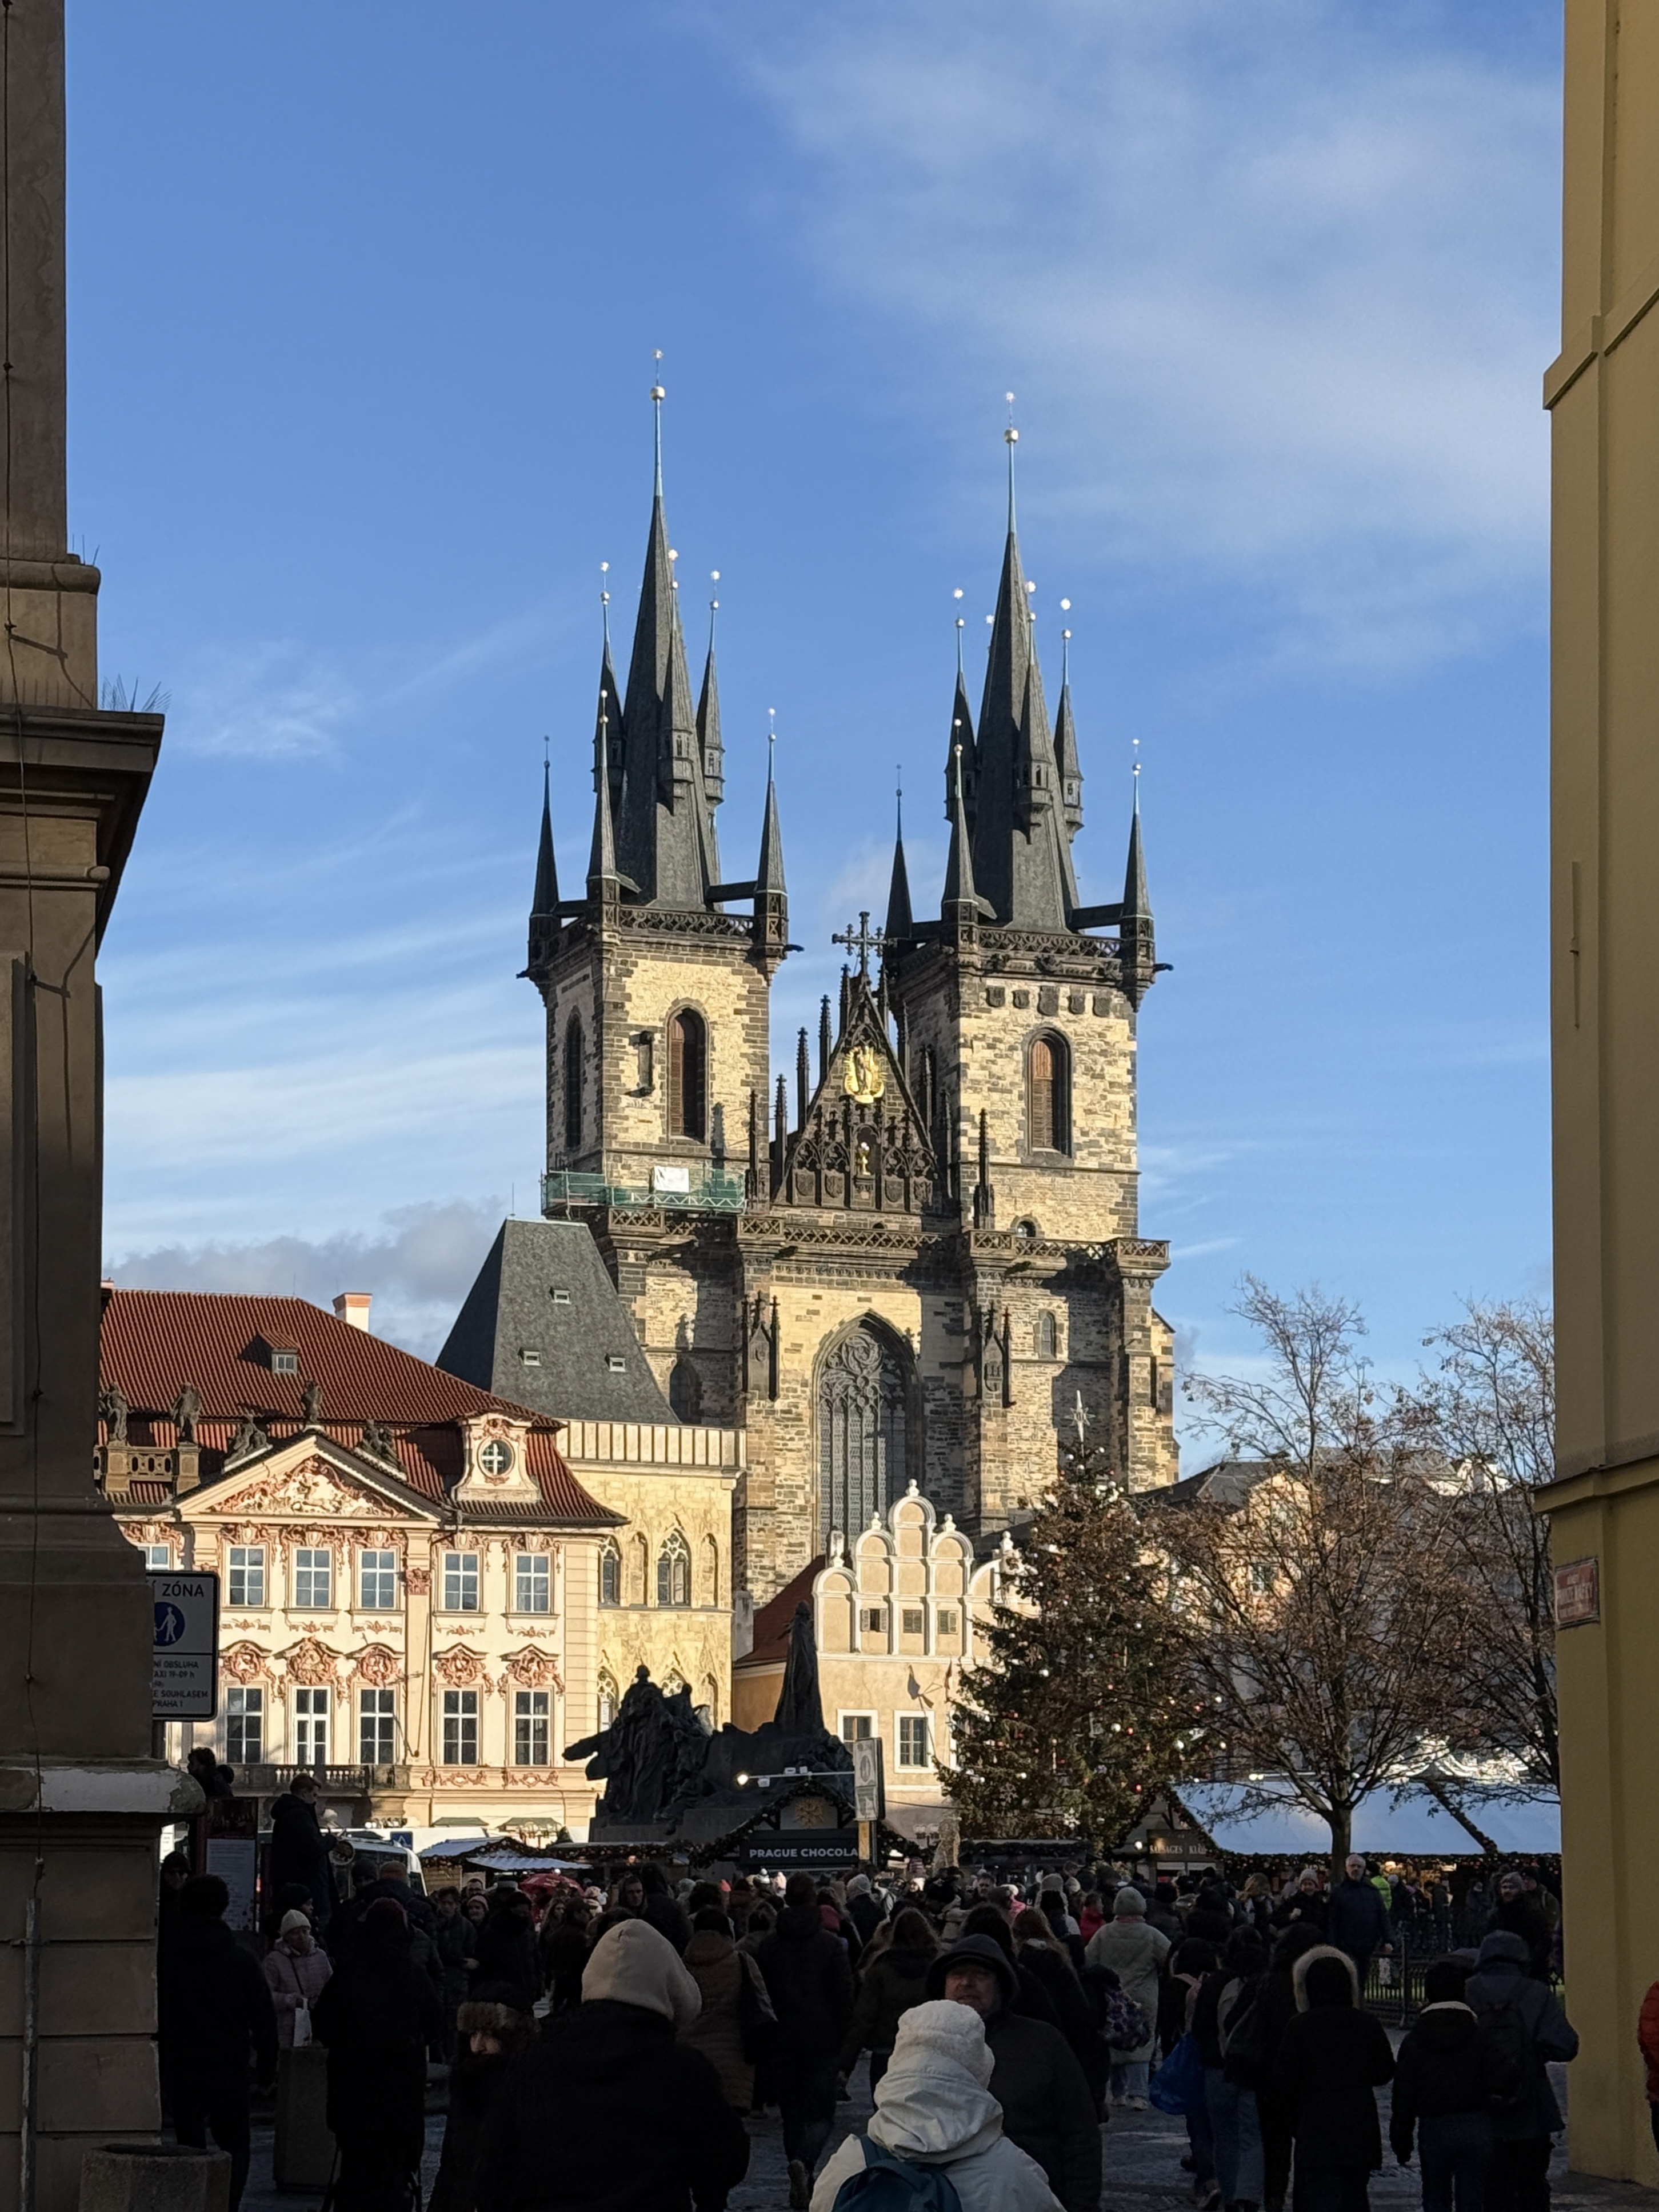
(616,1365)
(561,1297)
(284,1363)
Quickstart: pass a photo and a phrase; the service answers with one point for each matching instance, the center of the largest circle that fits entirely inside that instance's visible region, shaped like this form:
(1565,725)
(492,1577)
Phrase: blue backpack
(895,2184)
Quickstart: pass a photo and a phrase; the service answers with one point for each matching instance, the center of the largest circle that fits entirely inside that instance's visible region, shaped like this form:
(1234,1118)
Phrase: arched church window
(610,1576)
(575,1078)
(1048,1337)
(1048,1095)
(607,1688)
(861,1442)
(674,1571)
(685,1392)
(688,1072)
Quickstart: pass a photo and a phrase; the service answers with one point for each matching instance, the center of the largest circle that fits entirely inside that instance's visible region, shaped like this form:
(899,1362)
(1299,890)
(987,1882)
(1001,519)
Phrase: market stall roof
(460,1847)
(1412,1825)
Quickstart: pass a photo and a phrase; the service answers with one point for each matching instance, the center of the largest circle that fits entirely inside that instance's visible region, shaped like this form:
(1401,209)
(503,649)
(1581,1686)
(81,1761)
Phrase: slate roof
(151,1343)
(510,1310)
(1229,1482)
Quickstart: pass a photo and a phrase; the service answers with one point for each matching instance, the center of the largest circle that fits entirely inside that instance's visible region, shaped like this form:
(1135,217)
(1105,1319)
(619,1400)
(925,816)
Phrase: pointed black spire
(544,906)
(771,898)
(961,906)
(962,734)
(708,721)
(1066,753)
(664,832)
(824,1039)
(1020,857)
(900,923)
(1137,953)
(603,881)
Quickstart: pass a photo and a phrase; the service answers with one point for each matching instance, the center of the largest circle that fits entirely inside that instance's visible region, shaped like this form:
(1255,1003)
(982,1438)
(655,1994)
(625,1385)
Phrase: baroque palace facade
(916,1258)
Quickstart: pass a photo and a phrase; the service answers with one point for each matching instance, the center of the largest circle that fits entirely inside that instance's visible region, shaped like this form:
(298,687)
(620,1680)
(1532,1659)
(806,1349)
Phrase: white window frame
(305,1571)
(313,1715)
(459,1717)
(243,1703)
(902,1725)
(385,1572)
(158,1558)
(533,1578)
(873,1724)
(377,1712)
(251,1565)
(532,1724)
(461,1572)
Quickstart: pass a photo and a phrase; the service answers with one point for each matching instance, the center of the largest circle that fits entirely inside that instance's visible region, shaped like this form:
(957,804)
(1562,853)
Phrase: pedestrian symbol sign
(184,1657)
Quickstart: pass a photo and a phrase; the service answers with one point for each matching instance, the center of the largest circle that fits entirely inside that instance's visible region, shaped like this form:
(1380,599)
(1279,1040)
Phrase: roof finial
(956,595)
(1134,774)
(713,608)
(1012,436)
(658,395)
(1064,648)
(772,742)
(898,795)
(605,603)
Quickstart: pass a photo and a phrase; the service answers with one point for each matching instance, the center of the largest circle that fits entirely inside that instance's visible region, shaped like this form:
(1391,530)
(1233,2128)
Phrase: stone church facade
(916,1258)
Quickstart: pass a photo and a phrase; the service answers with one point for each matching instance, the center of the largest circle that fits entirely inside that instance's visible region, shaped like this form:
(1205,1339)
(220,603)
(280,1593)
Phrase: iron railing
(674,1190)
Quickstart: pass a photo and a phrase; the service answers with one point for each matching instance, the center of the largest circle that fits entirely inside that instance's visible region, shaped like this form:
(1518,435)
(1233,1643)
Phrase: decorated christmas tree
(1077,1716)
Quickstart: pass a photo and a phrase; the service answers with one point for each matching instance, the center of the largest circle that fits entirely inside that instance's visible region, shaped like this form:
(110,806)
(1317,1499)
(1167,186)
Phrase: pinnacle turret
(708,724)
(1067,761)
(1138,952)
(544,904)
(900,925)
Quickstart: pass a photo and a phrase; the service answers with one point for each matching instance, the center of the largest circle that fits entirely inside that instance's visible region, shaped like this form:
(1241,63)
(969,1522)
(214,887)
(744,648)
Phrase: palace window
(873,1620)
(610,1576)
(688,1070)
(247,1574)
(685,1392)
(311,1727)
(861,1441)
(460,1581)
(674,1572)
(245,1726)
(314,1580)
(376,1727)
(607,1700)
(158,1558)
(857,1728)
(533,1581)
(912,1740)
(575,1078)
(915,1621)
(530,1712)
(947,1620)
(377,1581)
(461,1728)
(1048,1095)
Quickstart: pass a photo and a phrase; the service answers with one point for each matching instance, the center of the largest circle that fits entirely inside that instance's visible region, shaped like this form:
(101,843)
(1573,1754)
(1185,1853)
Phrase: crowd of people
(609,2047)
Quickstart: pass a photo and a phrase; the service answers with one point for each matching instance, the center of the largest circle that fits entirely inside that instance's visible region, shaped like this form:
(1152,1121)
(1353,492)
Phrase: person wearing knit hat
(492,2027)
(1135,1951)
(297,1969)
(608,2099)
(934,2108)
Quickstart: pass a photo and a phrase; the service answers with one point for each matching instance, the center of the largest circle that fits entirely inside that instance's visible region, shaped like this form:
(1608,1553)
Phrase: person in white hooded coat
(933,2108)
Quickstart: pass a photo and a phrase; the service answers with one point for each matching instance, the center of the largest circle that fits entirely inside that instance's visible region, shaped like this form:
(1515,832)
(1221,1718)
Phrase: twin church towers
(916,1257)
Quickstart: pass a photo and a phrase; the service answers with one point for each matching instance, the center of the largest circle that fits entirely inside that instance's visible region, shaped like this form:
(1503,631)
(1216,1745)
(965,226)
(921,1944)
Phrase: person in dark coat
(1331,2061)
(1048,1957)
(297,1851)
(454,1938)
(890,1981)
(1520,1912)
(1046,2109)
(564,1954)
(490,2031)
(809,1979)
(1306,1906)
(661,1910)
(377,2016)
(1356,1918)
(507,1944)
(1521,2014)
(863,1907)
(1276,2000)
(1031,1998)
(606,2111)
(1444,2079)
(215,2010)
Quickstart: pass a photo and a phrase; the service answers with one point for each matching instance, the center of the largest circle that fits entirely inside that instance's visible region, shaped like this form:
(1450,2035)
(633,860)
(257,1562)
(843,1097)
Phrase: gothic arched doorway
(862,1442)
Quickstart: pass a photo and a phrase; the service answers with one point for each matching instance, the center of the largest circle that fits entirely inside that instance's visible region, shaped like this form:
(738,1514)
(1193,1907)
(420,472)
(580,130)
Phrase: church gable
(862,1145)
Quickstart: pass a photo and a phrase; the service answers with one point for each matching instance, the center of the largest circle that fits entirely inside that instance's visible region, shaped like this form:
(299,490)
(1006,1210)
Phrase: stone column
(80,1799)
(1604,930)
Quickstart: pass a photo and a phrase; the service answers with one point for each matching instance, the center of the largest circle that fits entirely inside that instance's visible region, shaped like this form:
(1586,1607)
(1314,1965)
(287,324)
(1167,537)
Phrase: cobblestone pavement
(1142,2156)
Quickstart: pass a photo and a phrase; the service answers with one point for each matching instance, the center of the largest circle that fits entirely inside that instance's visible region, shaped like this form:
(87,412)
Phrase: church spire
(1136,950)
(771,898)
(900,923)
(708,717)
(961,906)
(603,881)
(544,906)
(1066,753)
(664,832)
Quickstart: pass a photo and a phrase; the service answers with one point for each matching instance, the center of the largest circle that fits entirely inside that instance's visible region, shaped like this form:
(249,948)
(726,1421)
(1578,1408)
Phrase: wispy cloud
(419,1268)
(270,701)
(1273,278)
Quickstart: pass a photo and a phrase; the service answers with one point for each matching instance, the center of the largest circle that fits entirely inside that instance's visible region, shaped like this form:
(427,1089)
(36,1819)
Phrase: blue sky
(364,299)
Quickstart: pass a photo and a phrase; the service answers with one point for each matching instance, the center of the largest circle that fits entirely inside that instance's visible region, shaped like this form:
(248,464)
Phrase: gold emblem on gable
(864,1079)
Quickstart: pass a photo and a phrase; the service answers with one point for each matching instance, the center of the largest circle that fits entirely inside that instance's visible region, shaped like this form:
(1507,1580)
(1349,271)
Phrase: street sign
(184,1681)
(869,1792)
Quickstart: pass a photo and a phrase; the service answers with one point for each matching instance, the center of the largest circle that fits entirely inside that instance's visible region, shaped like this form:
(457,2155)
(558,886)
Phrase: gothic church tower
(919,1259)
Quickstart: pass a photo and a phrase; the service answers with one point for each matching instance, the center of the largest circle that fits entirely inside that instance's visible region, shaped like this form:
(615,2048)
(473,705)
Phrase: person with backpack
(1220,2017)
(1275,2009)
(1446,2077)
(1527,2028)
(1046,2109)
(1332,2059)
(935,2142)
(737,2014)
(1135,1952)
(890,1981)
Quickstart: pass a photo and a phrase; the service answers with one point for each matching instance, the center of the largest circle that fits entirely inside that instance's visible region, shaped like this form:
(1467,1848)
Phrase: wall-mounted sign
(1579,1593)
(184,1662)
(869,1793)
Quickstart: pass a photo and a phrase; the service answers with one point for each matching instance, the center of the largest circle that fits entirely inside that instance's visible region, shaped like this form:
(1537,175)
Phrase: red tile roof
(771,1643)
(155,1342)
